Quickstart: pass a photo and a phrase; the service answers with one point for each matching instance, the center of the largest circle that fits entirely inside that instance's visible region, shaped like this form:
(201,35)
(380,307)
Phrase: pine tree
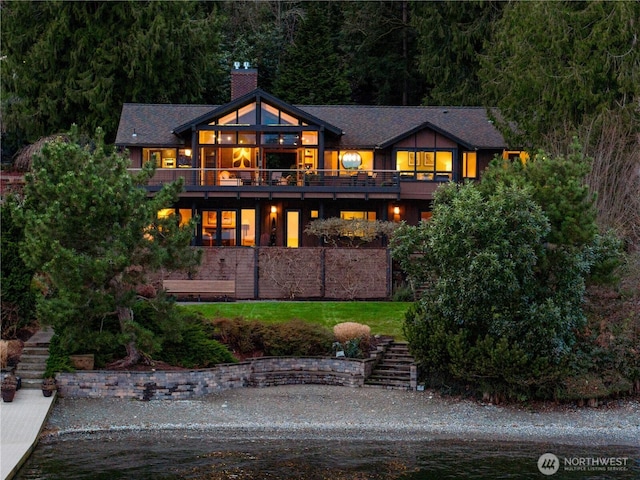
(94,237)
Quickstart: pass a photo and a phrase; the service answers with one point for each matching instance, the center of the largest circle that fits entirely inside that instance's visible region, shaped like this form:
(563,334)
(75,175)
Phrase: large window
(425,164)
(219,227)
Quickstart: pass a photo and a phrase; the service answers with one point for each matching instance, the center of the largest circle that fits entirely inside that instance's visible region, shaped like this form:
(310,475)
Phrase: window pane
(469,165)
(289,139)
(444,161)
(357,215)
(206,137)
(270,138)
(309,138)
(185,216)
(286,119)
(227,138)
(402,160)
(425,161)
(269,115)
(247,138)
(229,119)
(247,115)
(293,227)
(248,227)
(209,223)
(228,238)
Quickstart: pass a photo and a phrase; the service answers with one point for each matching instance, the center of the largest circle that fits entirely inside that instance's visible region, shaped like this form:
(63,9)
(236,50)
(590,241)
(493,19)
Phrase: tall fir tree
(554,66)
(312,70)
(78,62)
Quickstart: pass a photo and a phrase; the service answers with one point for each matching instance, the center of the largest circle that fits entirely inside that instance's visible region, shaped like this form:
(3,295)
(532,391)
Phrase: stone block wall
(189,384)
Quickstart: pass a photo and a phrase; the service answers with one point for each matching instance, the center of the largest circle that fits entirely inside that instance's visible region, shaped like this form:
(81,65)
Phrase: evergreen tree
(312,71)
(18,298)
(553,66)
(504,266)
(78,62)
(94,236)
(379,42)
(260,32)
(452,37)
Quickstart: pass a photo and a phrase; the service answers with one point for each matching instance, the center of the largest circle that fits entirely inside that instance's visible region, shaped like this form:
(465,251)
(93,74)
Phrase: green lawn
(384,318)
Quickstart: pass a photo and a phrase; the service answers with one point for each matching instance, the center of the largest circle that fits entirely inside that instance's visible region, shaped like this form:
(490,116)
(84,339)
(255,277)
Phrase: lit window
(469,165)
(309,138)
(206,137)
(357,215)
(513,154)
(161,158)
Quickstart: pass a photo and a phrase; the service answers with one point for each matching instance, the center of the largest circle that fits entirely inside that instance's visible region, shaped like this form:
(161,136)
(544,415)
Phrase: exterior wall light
(396,210)
(274,209)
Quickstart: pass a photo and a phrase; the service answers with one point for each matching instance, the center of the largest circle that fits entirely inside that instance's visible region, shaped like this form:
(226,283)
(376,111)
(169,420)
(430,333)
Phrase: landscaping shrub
(402,293)
(293,338)
(297,338)
(353,338)
(240,335)
(58,360)
(350,330)
(194,348)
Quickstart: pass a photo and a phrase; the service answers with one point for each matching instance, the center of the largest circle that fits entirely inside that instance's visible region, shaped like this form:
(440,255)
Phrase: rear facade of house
(257,170)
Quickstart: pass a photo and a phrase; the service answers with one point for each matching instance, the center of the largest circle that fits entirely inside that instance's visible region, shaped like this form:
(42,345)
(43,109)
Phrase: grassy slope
(384,318)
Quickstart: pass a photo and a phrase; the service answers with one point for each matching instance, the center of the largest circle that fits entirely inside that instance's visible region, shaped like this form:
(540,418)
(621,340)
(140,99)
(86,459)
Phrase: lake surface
(178,454)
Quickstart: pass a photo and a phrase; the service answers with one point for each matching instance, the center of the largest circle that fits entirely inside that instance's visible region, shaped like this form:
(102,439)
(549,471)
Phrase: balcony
(279,183)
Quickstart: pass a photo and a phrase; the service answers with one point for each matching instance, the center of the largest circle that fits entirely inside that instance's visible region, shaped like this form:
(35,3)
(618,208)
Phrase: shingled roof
(153,124)
(363,126)
(381,126)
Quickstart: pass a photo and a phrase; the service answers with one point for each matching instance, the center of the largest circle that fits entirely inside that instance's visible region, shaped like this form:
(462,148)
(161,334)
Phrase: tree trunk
(125,317)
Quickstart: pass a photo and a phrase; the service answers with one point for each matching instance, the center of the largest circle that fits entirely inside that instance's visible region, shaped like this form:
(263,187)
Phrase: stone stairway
(33,360)
(393,371)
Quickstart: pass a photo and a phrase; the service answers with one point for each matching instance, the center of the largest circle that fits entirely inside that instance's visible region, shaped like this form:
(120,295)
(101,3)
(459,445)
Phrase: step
(31,367)
(33,359)
(399,362)
(31,382)
(389,384)
(385,369)
(41,338)
(402,373)
(35,350)
(384,377)
(31,375)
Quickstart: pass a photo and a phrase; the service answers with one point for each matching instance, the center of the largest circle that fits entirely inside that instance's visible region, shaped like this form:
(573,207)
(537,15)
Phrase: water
(195,455)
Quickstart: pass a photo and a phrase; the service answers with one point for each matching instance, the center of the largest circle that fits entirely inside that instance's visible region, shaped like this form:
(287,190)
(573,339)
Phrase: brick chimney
(243,80)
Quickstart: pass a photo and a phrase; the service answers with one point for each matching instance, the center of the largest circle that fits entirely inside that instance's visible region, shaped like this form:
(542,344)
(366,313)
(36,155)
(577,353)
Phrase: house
(257,170)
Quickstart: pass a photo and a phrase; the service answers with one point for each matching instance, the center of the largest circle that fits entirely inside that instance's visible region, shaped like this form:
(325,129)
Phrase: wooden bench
(201,288)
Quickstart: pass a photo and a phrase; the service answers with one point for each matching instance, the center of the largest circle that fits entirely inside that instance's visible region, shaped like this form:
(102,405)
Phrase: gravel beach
(318,412)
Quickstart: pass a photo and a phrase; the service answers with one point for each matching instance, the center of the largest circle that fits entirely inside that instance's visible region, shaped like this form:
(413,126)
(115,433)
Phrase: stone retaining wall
(189,384)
